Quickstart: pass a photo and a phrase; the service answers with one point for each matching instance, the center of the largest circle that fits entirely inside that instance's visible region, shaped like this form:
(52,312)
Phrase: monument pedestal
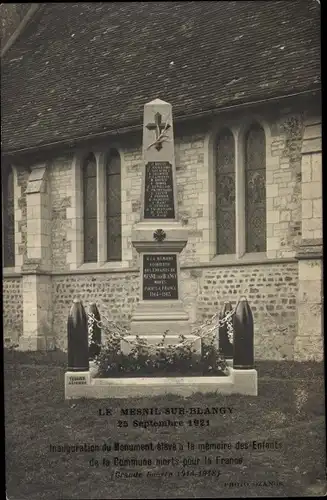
(165,316)
(160,307)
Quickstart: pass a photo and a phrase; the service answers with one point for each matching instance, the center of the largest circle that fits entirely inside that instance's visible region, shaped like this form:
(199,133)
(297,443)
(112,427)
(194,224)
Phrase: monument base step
(156,317)
(155,327)
(159,310)
(126,344)
(236,382)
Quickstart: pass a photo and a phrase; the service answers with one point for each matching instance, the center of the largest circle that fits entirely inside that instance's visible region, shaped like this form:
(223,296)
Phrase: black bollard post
(243,336)
(225,345)
(95,346)
(78,342)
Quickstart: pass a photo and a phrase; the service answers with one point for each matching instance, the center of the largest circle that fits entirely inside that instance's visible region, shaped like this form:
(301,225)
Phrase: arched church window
(255,189)
(225,193)
(113,176)
(8,214)
(90,209)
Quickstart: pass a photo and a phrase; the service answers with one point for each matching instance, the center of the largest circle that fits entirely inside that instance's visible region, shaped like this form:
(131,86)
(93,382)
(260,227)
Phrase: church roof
(86,68)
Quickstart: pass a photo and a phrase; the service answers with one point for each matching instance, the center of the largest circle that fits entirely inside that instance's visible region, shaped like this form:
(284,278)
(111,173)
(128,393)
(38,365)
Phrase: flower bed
(159,361)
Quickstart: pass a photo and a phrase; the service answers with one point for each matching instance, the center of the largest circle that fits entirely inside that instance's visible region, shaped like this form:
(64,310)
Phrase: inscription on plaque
(77,380)
(160,277)
(159,191)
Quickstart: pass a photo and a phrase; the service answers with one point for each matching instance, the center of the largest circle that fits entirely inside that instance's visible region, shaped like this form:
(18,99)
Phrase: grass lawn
(290,410)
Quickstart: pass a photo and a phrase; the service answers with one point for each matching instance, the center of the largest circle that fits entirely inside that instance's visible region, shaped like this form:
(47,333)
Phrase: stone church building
(243,79)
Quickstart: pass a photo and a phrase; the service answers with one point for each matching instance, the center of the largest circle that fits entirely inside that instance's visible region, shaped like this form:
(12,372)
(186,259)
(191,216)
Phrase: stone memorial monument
(159,237)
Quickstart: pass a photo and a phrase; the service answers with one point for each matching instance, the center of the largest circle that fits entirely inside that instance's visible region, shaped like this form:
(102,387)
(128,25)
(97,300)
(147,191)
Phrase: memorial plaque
(159,191)
(160,277)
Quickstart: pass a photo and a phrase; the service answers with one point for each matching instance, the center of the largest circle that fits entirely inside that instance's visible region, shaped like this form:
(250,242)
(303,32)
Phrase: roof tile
(82,68)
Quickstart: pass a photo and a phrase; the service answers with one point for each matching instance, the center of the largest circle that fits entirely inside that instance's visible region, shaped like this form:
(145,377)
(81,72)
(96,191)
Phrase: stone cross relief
(160,129)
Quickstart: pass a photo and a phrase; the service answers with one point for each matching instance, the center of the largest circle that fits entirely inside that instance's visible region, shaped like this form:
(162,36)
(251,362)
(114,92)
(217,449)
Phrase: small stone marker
(77,380)
(159,237)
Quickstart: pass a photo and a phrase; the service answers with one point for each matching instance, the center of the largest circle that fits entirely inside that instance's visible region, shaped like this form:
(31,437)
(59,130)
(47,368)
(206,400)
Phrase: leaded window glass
(225,193)
(8,211)
(90,209)
(113,176)
(255,189)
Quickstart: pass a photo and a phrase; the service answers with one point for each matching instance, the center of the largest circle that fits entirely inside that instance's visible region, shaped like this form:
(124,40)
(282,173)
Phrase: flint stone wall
(271,290)
(12,308)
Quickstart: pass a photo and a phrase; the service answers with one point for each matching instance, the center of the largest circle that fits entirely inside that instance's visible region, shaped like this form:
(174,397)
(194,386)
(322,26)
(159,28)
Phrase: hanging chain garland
(117,332)
(230,329)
